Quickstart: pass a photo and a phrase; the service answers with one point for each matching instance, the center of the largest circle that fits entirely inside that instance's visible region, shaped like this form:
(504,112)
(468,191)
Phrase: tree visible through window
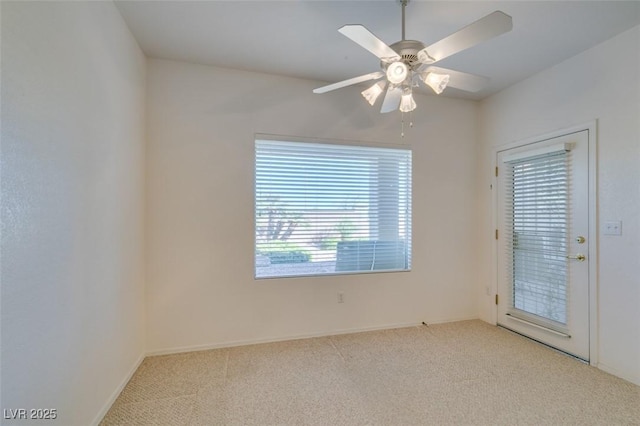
(328,208)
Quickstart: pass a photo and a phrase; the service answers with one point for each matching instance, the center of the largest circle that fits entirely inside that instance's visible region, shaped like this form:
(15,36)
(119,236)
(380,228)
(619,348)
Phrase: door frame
(591,128)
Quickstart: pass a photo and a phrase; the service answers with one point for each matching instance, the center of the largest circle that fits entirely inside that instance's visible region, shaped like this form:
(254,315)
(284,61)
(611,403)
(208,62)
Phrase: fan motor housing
(408,51)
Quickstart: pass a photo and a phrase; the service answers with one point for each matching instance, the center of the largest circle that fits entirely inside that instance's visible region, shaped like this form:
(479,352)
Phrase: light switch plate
(613,227)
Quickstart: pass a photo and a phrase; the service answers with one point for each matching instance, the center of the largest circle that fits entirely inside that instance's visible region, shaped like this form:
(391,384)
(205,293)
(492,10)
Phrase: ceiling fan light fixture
(407,103)
(397,72)
(438,82)
(424,57)
(372,93)
(405,62)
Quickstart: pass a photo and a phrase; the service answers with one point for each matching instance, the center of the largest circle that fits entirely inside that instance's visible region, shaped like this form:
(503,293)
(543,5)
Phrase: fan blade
(391,99)
(462,80)
(373,44)
(349,82)
(481,30)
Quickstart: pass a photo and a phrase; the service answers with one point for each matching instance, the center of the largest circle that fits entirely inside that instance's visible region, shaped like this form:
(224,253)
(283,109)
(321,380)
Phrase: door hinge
(496,171)
(496,299)
(496,234)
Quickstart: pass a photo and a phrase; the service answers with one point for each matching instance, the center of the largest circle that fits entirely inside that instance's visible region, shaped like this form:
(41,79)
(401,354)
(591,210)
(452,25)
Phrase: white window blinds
(537,218)
(328,208)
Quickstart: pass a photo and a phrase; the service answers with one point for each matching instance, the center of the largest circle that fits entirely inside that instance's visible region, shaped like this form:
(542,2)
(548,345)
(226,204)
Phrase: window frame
(408,254)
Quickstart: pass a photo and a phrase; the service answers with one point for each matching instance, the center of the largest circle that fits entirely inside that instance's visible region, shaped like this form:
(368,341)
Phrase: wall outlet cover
(613,227)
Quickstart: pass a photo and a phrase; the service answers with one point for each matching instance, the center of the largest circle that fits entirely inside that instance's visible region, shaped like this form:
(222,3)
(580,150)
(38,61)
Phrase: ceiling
(300,38)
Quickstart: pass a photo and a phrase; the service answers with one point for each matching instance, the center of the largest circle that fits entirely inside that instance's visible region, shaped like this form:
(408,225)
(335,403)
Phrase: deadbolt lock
(580,240)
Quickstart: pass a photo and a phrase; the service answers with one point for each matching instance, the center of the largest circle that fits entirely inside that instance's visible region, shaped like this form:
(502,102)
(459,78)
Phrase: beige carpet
(464,373)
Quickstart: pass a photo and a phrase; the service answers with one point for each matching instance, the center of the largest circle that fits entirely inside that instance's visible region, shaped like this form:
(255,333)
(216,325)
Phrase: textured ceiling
(300,38)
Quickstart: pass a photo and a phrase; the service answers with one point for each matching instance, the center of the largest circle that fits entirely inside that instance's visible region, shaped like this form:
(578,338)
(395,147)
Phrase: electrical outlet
(340,297)
(613,227)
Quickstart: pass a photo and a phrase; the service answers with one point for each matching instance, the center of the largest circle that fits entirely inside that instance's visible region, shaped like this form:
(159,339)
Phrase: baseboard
(629,378)
(448,320)
(117,391)
(234,343)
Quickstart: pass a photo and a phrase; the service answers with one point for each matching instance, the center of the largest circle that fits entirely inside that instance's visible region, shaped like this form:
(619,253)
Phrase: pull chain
(402,123)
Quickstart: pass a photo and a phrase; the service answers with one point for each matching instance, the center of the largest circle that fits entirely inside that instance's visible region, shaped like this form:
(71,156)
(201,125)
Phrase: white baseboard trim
(629,378)
(107,406)
(233,343)
(445,321)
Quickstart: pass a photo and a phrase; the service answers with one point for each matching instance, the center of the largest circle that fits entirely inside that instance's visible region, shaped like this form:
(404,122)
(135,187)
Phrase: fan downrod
(404,4)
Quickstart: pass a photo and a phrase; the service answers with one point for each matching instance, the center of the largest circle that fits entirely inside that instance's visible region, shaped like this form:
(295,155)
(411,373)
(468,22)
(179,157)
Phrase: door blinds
(537,233)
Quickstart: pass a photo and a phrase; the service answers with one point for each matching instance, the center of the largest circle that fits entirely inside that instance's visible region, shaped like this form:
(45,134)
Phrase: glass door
(543,272)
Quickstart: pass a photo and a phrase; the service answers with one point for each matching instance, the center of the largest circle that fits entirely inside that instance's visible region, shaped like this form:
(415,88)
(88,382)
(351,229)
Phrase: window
(324,208)
(537,210)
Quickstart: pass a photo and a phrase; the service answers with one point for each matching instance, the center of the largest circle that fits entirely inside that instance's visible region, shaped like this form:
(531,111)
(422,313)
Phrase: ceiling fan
(406,63)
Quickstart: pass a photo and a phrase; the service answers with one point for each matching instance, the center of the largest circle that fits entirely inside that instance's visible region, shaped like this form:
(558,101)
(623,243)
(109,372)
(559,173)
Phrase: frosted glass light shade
(437,82)
(372,93)
(407,103)
(397,72)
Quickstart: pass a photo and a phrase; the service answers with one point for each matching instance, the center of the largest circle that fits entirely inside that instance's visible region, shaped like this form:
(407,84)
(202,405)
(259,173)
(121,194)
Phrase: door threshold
(561,352)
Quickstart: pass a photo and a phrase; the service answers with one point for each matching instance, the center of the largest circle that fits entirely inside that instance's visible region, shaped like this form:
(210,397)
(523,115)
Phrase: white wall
(200,230)
(72,207)
(602,83)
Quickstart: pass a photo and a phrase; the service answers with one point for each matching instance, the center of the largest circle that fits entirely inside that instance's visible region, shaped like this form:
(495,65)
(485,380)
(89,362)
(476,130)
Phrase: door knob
(580,257)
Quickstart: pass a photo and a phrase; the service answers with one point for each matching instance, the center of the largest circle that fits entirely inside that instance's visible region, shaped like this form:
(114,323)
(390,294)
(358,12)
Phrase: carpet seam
(344,361)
